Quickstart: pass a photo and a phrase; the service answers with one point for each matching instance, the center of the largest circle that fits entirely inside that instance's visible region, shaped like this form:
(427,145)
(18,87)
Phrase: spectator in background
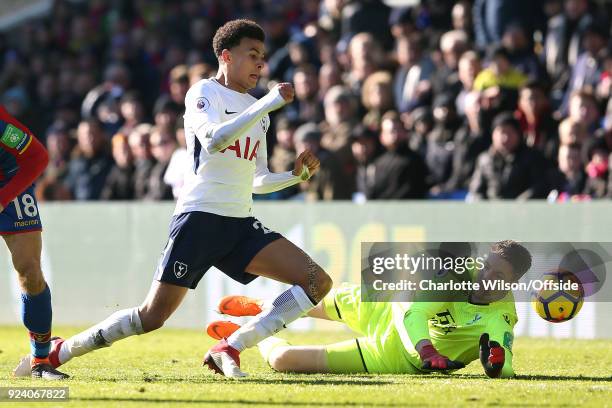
(563,44)
(277,41)
(132,110)
(98,54)
(328,183)
(367,16)
(201,33)
(597,168)
(421,123)
(17,104)
(402,22)
(87,172)
(399,173)
(175,173)
(509,169)
(179,84)
(365,57)
(306,105)
(329,76)
(534,113)
(583,108)
(604,87)
(44,104)
(59,145)
(414,69)
(469,142)
(518,43)
(440,143)
(568,180)
(572,131)
(298,54)
(119,184)
(499,73)
(330,16)
(586,73)
(140,147)
(163,144)
(166,113)
(462,16)
(340,117)
(376,98)
(283,154)
(116,82)
(468,69)
(492,18)
(446,79)
(365,150)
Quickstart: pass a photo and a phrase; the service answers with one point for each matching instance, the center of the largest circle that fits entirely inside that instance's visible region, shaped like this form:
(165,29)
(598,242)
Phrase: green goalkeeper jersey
(454,328)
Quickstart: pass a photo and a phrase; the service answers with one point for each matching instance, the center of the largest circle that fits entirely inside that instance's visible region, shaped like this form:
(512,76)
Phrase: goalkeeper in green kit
(404,338)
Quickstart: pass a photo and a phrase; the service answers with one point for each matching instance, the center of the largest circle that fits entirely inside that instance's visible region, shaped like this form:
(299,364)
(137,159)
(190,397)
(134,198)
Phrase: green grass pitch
(163,369)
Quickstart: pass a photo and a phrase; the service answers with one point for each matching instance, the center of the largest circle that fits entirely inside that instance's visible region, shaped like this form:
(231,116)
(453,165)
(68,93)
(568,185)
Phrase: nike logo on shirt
(229,113)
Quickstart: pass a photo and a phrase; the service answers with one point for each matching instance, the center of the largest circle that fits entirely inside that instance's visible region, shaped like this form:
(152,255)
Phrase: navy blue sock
(36,316)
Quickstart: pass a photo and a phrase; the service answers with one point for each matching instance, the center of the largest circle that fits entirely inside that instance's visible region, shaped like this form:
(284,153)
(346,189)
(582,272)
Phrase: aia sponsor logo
(248,151)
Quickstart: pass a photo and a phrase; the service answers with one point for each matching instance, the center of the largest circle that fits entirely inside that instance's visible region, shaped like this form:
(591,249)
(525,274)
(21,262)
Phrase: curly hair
(230,34)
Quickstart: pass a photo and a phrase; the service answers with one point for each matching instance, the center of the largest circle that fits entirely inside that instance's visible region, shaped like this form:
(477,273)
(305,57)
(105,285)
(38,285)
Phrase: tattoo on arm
(313,290)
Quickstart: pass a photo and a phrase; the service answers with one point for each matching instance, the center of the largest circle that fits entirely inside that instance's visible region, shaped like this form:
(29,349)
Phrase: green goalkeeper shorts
(380,350)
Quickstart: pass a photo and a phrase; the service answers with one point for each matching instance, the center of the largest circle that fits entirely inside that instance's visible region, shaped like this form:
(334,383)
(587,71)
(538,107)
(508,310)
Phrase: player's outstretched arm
(219,136)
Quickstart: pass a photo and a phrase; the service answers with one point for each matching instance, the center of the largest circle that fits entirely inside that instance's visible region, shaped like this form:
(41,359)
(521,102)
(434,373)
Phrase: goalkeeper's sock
(287,307)
(267,346)
(119,325)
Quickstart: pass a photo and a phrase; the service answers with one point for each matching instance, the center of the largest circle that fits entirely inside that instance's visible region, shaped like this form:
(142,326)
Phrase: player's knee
(282,359)
(30,274)
(28,268)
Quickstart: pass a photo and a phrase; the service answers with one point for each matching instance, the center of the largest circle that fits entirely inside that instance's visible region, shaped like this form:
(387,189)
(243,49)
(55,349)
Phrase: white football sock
(119,325)
(287,307)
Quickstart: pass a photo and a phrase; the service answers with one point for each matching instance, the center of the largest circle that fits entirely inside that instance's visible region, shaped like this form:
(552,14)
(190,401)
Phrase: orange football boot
(221,329)
(238,306)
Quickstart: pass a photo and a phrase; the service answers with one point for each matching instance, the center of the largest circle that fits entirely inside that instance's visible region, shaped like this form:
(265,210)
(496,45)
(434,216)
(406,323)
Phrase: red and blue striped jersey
(22,158)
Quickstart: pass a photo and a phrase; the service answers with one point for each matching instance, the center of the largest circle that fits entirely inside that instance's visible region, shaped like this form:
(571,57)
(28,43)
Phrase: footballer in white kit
(213,225)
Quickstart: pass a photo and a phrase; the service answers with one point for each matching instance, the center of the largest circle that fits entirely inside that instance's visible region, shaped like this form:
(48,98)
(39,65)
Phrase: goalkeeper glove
(432,360)
(492,356)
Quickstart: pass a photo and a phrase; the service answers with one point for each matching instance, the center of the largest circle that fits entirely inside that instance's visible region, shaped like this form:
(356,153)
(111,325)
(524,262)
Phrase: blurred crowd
(464,100)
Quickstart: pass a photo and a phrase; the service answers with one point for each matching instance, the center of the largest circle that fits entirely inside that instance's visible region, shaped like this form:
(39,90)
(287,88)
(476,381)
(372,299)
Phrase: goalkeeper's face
(495,268)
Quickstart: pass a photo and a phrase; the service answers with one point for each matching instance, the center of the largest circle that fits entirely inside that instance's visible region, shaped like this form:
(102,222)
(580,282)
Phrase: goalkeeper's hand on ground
(492,356)
(432,360)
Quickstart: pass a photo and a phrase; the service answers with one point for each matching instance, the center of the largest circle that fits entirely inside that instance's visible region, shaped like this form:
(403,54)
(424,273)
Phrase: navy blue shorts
(199,240)
(21,214)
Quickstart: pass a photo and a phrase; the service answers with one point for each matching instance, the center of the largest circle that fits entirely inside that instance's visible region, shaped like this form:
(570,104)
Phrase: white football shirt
(222,182)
